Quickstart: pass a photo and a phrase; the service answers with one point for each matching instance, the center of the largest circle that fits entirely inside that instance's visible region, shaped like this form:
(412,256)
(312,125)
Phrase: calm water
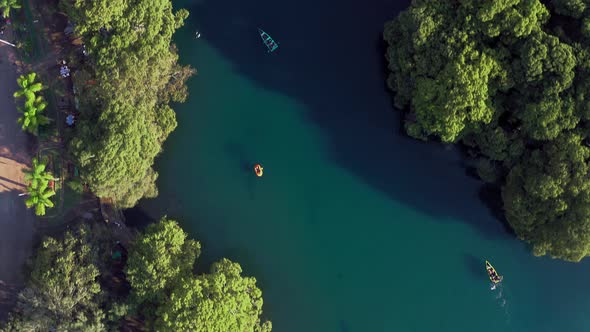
(353,226)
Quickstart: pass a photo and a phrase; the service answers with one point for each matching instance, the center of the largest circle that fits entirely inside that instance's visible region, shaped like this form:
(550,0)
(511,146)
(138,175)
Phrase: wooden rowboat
(494,276)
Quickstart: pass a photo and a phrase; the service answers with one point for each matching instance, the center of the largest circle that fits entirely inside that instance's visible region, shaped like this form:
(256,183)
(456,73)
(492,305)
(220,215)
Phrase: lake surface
(353,227)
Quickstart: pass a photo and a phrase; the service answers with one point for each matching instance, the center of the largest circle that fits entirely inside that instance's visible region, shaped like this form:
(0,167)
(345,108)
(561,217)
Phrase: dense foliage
(125,86)
(7,5)
(510,80)
(161,256)
(172,298)
(62,293)
(34,104)
(39,192)
(220,301)
(69,286)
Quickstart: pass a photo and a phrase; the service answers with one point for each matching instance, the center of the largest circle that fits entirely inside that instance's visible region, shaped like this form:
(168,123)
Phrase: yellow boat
(258,170)
(494,276)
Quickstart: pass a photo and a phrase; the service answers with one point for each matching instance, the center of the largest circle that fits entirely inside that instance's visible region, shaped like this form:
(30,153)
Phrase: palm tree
(38,102)
(28,86)
(39,197)
(38,189)
(7,5)
(37,174)
(32,117)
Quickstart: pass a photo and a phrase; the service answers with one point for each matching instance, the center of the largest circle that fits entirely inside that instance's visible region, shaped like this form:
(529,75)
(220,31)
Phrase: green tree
(34,105)
(219,301)
(546,69)
(486,170)
(37,174)
(547,198)
(127,115)
(38,187)
(573,8)
(510,81)
(40,198)
(29,86)
(449,60)
(443,70)
(32,116)
(94,15)
(7,5)
(166,291)
(63,289)
(494,142)
(64,292)
(160,257)
(445,107)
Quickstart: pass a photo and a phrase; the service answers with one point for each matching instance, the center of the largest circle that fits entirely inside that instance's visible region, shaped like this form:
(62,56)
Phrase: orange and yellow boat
(258,170)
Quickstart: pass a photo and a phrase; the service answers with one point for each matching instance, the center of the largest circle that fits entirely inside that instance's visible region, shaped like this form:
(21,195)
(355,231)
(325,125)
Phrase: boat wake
(502,299)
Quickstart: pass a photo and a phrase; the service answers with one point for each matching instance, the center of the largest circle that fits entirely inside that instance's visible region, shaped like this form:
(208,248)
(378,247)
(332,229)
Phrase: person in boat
(258,169)
(493,274)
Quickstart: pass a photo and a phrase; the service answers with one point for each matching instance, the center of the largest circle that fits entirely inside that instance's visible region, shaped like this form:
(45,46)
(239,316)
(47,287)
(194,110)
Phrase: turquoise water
(353,227)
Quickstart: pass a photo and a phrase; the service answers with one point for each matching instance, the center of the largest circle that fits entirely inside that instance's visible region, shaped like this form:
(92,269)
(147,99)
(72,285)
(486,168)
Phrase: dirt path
(17,224)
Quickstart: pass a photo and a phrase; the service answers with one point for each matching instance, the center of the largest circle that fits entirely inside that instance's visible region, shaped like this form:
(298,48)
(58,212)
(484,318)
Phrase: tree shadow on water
(491,196)
(343,326)
(338,70)
(237,151)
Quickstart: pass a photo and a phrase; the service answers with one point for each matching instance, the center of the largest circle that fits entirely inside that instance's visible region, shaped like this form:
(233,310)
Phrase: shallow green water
(353,226)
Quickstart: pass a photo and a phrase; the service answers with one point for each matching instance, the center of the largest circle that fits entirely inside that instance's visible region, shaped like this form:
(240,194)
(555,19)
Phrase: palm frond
(40,210)
(29,202)
(49,203)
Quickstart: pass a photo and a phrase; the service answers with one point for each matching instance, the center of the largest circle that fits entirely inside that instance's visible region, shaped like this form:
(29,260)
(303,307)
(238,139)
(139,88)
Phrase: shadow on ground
(331,58)
(136,217)
(17,231)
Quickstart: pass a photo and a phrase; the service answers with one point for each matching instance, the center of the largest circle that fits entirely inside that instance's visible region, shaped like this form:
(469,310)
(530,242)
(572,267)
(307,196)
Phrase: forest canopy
(125,86)
(80,283)
(509,80)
